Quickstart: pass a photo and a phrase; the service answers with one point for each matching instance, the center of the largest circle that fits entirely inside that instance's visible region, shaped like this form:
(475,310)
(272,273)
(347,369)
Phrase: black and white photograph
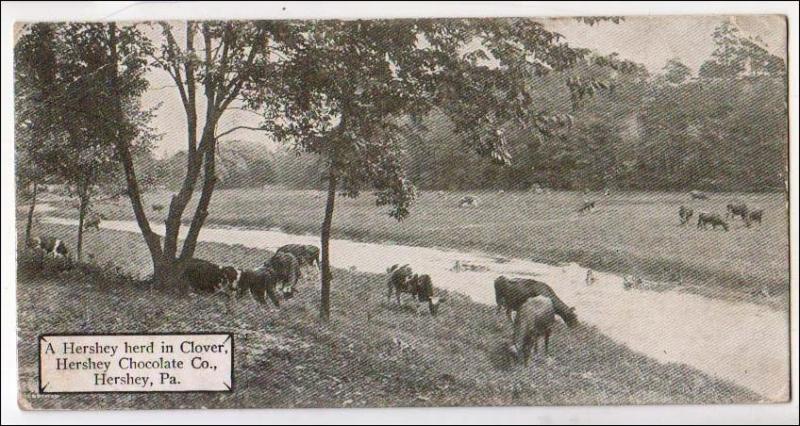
(503,210)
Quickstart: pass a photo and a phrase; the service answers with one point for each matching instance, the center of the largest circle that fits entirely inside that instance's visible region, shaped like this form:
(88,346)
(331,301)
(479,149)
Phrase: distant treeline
(725,129)
(648,134)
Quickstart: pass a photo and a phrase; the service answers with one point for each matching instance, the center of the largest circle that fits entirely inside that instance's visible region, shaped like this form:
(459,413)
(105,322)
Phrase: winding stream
(745,343)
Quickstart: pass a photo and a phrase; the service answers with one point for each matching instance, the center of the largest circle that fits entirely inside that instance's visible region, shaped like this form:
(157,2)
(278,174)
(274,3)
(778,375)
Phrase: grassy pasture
(373,353)
(629,232)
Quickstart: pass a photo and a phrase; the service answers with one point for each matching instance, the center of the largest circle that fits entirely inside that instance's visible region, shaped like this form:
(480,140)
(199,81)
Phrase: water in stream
(742,342)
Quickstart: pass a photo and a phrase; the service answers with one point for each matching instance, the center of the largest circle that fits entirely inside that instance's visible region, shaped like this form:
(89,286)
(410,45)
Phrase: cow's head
(570,317)
(230,279)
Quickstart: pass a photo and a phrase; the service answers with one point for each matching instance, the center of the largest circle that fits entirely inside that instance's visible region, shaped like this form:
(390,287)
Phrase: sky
(651,41)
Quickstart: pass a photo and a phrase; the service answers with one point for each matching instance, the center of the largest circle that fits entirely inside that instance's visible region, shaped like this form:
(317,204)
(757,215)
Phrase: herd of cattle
(536,305)
(704,218)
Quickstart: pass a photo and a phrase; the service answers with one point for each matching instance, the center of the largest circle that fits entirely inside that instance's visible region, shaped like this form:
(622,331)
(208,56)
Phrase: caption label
(135,363)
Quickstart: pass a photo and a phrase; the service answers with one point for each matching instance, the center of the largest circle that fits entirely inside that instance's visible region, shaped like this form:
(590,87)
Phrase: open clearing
(372,354)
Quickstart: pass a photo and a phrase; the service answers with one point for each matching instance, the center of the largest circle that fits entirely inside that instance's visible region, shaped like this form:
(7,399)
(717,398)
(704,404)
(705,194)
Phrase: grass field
(371,354)
(630,232)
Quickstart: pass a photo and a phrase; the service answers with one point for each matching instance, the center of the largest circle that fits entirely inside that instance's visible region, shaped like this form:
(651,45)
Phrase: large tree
(73,130)
(210,60)
(35,75)
(346,86)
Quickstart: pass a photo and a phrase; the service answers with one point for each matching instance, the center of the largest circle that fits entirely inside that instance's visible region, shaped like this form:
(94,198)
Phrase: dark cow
(698,195)
(468,201)
(403,280)
(306,254)
(287,268)
(261,282)
(587,207)
(704,219)
(511,293)
(206,277)
(755,215)
(734,210)
(685,213)
(535,318)
(93,221)
(50,246)
(157,207)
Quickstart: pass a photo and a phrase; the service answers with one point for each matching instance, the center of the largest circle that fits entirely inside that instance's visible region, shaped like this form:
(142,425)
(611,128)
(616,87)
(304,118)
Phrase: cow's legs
(546,342)
(526,349)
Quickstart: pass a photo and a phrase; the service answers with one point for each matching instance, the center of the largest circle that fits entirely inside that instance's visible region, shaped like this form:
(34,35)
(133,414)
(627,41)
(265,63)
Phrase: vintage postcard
(307,213)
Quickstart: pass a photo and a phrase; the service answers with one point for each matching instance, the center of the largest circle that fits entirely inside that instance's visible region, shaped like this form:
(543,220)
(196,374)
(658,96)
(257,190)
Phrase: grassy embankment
(371,354)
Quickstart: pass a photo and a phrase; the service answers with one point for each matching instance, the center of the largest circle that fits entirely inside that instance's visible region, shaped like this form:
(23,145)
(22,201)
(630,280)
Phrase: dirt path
(745,343)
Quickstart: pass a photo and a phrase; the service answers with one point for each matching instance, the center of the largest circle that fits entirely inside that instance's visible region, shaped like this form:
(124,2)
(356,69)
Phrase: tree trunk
(168,276)
(29,225)
(325,266)
(201,213)
(152,239)
(84,201)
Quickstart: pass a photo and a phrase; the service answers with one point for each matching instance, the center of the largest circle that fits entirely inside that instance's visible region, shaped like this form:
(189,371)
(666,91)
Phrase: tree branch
(233,129)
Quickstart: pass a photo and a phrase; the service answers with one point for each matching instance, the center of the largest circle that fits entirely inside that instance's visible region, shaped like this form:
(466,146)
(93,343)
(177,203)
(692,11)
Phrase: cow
(287,268)
(206,277)
(698,195)
(685,213)
(305,254)
(590,278)
(261,282)
(734,210)
(587,207)
(704,219)
(403,280)
(93,221)
(157,207)
(50,246)
(468,201)
(511,293)
(755,215)
(535,319)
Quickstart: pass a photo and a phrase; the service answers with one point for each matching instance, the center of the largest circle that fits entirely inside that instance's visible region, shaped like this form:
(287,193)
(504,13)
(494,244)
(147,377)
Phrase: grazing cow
(403,280)
(206,277)
(511,293)
(261,282)
(305,254)
(755,215)
(590,278)
(157,207)
(468,201)
(704,219)
(587,207)
(50,246)
(685,213)
(535,318)
(287,268)
(93,221)
(698,195)
(734,210)
(606,192)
